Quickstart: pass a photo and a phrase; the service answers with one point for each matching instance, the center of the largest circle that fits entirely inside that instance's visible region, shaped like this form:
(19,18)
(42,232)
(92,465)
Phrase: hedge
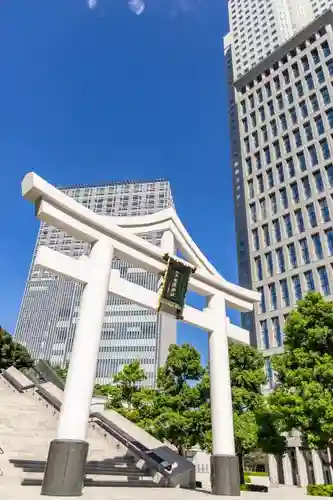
(320,490)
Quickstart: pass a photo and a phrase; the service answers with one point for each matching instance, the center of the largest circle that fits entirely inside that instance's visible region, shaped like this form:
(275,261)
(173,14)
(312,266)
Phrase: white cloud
(92,4)
(137,6)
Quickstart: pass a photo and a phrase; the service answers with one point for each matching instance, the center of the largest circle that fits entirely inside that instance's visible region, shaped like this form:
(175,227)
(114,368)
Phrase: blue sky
(93,92)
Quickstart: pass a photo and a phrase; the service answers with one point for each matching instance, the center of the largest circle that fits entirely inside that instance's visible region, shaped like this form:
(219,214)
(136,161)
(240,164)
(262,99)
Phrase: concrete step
(100,483)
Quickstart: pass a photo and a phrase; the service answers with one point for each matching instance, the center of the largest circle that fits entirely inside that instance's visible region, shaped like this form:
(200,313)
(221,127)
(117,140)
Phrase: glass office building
(50,306)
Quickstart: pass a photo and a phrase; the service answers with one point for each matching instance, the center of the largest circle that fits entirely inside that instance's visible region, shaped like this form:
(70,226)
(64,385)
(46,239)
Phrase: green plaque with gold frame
(174,286)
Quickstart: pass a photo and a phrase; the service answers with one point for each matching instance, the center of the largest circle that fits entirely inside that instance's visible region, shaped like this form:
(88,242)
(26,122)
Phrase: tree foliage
(303,399)
(12,353)
(178,411)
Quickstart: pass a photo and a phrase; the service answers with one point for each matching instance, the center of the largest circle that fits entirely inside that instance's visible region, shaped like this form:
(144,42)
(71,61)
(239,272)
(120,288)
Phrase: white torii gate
(118,236)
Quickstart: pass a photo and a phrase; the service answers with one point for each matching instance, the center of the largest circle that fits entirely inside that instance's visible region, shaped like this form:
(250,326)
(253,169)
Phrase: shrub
(258,474)
(320,490)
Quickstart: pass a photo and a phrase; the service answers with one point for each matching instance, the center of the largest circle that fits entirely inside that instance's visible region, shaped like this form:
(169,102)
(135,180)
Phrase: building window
(290,97)
(313,155)
(325,95)
(267,155)
(292,255)
(319,125)
(277,332)
(299,221)
(268,89)
(308,131)
(306,187)
(272,199)
(294,192)
(272,296)
(315,56)
(304,109)
(301,161)
(260,183)
(324,283)
(262,303)
(329,239)
(312,215)
(264,133)
(286,76)
(264,334)
(263,209)
(318,181)
(295,69)
(309,82)
(280,260)
(297,287)
(317,246)
(283,122)
(288,225)
(283,198)
(277,150)
(269,264)
(320,75)
(279,100)
(314,103)
(298,138)
(325,150)
(258,161)
(330,67)
(250,189)
(267,238)
(277,230)
(274,128)
(255,239)
(329,171)
(287,144)
(325,213)
(271,108)
(248,166)
(253,212)
(280,172)
(284,293)
(304,251)
(258,268)
(329,114)
(299,88)
(305,63)
(293,116)
(326,48)
(310,285)
(262,114)
(270,179)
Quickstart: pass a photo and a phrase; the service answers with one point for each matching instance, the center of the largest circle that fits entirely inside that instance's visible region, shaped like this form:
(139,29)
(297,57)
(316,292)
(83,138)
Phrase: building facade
(50,305)
(281,124)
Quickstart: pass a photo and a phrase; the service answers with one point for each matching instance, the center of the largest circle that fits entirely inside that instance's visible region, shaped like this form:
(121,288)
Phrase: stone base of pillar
(225,475)
(64,473)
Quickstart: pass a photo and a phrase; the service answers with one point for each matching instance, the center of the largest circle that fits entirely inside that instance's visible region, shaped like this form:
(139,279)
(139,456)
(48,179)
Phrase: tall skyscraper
(281,119)
(50,305)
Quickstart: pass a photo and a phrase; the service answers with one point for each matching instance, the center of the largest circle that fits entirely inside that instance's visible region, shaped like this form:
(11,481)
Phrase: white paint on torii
(118,236)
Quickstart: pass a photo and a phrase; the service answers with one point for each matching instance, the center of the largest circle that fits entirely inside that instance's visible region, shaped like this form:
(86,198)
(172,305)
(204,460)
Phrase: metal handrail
(147,455)
(144,453)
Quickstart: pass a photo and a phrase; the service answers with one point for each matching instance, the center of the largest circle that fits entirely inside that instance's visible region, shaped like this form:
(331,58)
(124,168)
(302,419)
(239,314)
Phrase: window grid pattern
(286,151)
(49,309)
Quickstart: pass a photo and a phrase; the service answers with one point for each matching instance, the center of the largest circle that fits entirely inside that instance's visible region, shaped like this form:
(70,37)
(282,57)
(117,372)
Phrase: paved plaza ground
(10,492)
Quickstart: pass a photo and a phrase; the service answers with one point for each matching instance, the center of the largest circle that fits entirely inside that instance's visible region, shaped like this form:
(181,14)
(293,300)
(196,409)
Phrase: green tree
(303,399)
(12,353)
(176,409)
(62,371)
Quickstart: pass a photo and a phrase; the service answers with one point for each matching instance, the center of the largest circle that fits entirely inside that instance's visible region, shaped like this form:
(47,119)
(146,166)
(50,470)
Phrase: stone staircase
(28,424)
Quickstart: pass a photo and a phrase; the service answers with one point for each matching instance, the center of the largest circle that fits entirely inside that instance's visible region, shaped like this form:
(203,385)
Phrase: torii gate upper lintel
(119,235)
